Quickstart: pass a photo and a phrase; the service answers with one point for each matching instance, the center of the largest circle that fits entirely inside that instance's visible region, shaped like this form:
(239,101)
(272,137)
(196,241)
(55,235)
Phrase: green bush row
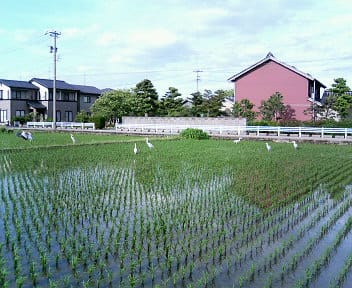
(192,133)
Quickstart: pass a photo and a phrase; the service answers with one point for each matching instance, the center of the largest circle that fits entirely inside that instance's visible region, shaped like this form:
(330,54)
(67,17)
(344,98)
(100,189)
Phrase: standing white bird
(135,149)
(268,147)
(236,141)
(73,139)
(295,145)
(150,145)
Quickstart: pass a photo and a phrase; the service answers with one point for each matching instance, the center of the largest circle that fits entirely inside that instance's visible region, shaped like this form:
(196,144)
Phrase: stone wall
(208,121)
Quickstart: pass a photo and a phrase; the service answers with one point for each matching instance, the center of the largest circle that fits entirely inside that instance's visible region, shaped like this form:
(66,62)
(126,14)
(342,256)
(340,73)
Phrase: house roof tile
(88,89)
(48,83)
(18,84)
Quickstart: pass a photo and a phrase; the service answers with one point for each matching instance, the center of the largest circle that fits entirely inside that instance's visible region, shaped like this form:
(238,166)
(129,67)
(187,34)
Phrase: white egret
(73,139)
(150,145)
(29,136)
(295,145)
(236,141)
(268,147)
(135,149)
(24,135)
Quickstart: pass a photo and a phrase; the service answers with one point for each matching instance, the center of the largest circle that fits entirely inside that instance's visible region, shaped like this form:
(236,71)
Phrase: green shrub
(83,117)
(99,121)
(192,133)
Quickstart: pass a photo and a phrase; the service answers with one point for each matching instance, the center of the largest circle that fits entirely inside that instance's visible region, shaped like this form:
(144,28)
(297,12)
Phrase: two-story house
(66,98)
(261,80)
(18,98)
(87,96)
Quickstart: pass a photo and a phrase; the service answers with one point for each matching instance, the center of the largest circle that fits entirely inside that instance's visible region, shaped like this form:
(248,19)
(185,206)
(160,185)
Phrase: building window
(18,94)
(67,96)
(68,116)
(19,113)
(86,99)
(64,96)
(58,115)
(72,96)
(1,94)
(3,116)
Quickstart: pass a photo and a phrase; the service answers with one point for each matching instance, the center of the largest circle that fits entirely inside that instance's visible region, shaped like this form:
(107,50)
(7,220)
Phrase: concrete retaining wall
(208,121)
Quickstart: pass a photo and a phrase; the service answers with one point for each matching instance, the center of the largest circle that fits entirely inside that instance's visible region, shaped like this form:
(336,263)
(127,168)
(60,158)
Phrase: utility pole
(53,49)
(198,78)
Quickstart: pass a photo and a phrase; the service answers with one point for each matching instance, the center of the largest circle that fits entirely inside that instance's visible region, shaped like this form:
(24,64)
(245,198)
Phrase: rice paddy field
(186,213)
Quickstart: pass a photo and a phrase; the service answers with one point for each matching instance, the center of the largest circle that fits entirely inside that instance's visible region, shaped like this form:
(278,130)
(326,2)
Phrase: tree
(314,110)
(171,103)
(273,108)
(146,100)
(338,99)
(83,117)
(113,105)
(214,103)
(197,104)
(340,87)
(327,111)
(244,109)
(208,104)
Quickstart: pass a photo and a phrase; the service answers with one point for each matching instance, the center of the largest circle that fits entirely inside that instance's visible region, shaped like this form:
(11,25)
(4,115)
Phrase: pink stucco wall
(269,78)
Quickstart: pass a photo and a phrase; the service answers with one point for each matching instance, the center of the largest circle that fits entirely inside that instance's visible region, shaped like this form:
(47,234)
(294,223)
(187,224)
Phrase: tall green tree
(339,87)
(244,109)
(113,105)
(197,104)
(213,102)
(273,108)
(342,100)
(171,103)
(146,99)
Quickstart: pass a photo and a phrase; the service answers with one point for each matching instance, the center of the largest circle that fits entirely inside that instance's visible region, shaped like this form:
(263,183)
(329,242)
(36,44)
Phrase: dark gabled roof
(18,84)
(48,83)
(271,57)
(88,89)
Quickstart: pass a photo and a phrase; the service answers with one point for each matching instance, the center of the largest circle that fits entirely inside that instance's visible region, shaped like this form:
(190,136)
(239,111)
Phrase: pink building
(261,80)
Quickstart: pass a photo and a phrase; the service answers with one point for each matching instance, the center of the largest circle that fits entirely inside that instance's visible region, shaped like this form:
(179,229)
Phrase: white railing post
(300,132)
(278,131)
(257,130)
(322,132)
(345,133)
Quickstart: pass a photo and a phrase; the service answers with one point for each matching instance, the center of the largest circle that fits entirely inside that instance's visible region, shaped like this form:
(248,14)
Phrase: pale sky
(118,43)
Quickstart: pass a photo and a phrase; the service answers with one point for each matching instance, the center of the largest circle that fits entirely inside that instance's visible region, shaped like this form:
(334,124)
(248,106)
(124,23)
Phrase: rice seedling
(186,213)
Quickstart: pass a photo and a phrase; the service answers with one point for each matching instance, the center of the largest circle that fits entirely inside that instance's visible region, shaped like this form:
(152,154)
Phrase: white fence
(62,125)
(236,130)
